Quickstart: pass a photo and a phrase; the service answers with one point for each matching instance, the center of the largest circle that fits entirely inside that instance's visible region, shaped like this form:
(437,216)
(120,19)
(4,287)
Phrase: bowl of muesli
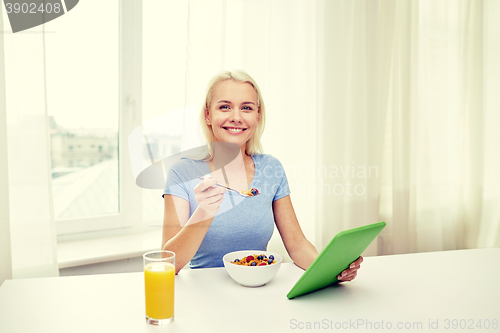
(252,268)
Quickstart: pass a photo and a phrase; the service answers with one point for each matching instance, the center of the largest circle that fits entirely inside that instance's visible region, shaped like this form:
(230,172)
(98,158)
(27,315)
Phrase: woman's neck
(237,172)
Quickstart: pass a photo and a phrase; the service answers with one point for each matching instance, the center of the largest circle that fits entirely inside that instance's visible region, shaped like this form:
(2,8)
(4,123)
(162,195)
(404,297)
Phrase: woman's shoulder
(267,159)
(187,166)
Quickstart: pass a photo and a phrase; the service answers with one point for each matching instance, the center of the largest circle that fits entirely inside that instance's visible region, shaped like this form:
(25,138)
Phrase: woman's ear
(207,118)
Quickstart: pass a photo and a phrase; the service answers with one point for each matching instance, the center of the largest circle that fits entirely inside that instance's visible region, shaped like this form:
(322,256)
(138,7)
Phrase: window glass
(81,55)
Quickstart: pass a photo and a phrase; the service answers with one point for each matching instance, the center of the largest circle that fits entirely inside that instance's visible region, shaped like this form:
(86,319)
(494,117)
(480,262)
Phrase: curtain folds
(32,228)
(489,219)
(353,67)
(431,110)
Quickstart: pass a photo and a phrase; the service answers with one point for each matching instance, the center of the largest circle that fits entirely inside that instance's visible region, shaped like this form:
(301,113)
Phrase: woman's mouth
(234,130)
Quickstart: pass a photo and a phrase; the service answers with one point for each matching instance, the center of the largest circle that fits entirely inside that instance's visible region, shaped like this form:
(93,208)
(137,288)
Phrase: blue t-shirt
(241,223)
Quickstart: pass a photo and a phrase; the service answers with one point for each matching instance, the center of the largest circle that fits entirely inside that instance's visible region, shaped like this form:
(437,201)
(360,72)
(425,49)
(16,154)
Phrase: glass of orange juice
(159,277)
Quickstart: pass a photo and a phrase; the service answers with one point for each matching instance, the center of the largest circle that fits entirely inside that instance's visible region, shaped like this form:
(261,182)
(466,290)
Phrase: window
(94,115)
(88,102)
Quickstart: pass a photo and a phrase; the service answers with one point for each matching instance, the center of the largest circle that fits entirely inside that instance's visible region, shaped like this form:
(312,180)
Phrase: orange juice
(159,280)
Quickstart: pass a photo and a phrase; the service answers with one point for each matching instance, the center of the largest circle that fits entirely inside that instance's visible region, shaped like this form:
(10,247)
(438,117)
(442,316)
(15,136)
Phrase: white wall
(110,267)
(129,265)
(5,257)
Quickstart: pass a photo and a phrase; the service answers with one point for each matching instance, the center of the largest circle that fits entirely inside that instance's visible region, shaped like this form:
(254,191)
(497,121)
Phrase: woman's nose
(235,116)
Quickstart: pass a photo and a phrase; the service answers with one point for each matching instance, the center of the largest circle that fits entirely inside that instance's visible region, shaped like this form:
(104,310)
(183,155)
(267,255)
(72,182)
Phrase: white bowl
(251,276)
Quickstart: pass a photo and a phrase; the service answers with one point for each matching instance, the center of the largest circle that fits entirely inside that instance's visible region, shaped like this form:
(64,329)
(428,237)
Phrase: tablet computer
(342,250)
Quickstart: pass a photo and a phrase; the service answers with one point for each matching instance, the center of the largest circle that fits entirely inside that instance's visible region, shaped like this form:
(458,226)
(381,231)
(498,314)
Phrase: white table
(404,290)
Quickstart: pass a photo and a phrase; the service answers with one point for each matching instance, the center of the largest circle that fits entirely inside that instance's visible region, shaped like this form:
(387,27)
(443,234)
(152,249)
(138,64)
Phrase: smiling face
(233,113)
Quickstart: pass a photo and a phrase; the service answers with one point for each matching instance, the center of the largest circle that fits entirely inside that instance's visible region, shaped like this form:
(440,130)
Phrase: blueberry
(236,260)
(260,258)
(271,257)
(253,264)
(270,261)
(254,192)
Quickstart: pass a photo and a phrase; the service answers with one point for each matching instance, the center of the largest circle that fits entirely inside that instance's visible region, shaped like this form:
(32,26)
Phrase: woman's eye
(247,108)
(224,107)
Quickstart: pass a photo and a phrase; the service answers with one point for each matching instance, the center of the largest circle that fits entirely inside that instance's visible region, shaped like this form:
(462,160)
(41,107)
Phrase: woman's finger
(352,275)
(343,278)
(347,277)
(351,270)
(348,271)
(216,198)
(207,183)
(212,195)
(357,262)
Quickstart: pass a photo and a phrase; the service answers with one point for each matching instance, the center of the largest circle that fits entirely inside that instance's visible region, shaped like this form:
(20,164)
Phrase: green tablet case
(342,250)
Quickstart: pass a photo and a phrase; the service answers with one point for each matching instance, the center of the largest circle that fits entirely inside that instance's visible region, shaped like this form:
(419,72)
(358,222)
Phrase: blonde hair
(253,146)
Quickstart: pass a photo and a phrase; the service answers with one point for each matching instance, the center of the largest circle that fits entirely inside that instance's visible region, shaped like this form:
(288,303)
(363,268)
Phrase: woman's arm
(184,241)
(183,234)
(298,247)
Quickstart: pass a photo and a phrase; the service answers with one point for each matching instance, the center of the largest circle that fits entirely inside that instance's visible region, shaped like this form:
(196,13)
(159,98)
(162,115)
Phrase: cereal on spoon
(250,191)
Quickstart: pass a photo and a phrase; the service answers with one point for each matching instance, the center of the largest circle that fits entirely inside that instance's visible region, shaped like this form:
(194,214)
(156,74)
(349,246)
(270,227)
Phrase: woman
(203,222)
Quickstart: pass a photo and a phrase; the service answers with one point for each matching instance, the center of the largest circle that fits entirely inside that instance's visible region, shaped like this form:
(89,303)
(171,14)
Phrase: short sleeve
(175,186)
(283,188)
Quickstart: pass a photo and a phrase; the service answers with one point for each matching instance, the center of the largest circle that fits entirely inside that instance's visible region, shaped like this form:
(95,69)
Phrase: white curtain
(5,255)
(353,72)
(410,87)
(32,229)
(488,220)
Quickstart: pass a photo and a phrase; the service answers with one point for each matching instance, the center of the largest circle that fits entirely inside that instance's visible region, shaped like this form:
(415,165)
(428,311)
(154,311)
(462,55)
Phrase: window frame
(130,117)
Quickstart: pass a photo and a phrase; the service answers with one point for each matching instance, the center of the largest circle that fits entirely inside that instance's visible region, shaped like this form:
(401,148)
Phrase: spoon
(230,189)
